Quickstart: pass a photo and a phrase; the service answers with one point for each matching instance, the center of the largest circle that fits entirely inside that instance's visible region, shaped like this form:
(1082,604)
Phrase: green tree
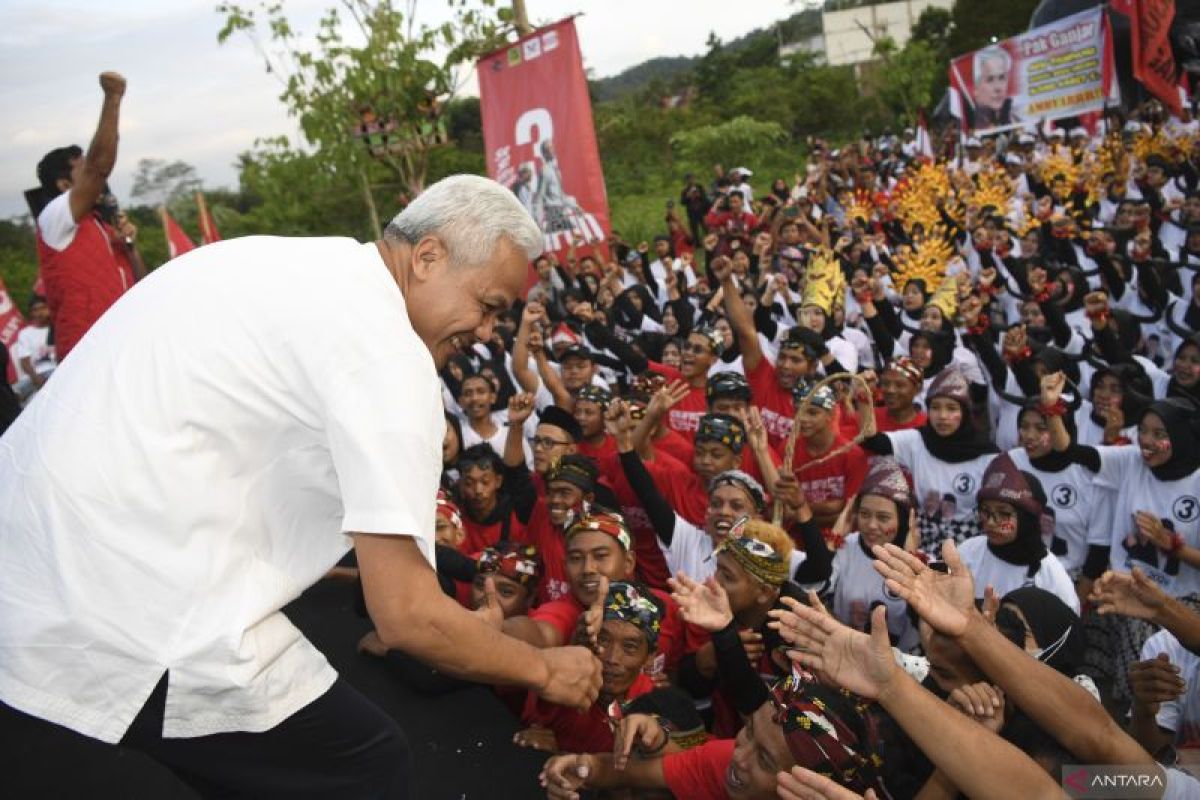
(908,77)
(933,28)
(159,182)
(375,88)
(726,143)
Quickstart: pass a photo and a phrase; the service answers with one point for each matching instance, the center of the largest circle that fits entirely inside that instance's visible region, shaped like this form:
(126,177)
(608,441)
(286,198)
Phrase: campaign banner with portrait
(539,137)
(1059,70)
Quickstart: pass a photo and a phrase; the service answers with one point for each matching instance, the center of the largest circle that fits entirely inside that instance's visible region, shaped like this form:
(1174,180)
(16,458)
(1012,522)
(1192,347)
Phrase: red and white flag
(178,242)
(208,228)
(924,143)
(11,322)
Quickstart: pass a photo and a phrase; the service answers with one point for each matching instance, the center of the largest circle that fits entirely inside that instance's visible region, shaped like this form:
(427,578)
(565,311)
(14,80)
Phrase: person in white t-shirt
(33,351)
(1012,553)
(205,456)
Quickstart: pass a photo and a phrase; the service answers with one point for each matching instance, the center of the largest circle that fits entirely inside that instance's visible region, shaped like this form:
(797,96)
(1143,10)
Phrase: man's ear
(426,255)
(63,184)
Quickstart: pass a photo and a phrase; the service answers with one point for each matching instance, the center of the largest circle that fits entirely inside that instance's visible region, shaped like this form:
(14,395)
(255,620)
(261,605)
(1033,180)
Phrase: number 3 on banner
(535,118)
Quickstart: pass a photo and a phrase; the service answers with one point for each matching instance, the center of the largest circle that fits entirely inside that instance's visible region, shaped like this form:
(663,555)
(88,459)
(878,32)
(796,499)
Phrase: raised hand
(1151,528)
(756,431)
(944,600)
(637,730)
(856,661)
(534,312)
(1051,389)
(112,83)
(795,504)
(970,310)
(704,605)
(490,610)
(619,421)
(573,677)
(1131,595)
(1014,341)
(520,407)
(720,268)
(804,784)
(666,398)
(587,627)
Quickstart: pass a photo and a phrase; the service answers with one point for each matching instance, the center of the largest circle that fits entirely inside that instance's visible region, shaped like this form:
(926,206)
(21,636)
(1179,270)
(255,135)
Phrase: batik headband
(715,339)
(575,469)
(758,558)
(820,396)
(735,477)
(908,368)
(591,392)
(514,560)
(604,522)
(625,602)
(721,428)
(447,508)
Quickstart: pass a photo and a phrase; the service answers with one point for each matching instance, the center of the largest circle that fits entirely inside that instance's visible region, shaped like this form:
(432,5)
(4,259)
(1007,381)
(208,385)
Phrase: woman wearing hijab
(946,458)
(883,514)
(1156,519)
(1117,395)
(1011,553)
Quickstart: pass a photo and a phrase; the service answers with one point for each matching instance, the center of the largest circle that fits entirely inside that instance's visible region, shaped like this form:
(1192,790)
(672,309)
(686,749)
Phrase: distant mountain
(667,68)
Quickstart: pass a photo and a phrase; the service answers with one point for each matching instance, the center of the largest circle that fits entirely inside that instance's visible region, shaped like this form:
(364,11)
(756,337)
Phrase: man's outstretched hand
(573,677)
(945,600)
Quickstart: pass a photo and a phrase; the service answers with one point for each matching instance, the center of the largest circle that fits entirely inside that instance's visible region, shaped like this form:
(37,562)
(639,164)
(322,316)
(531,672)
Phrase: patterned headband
(591,392)
(715,339)
(627,603)
(821,396)
(604,522)
(735,477)
(721,428)
(513,560)
(447,508)
(759,559)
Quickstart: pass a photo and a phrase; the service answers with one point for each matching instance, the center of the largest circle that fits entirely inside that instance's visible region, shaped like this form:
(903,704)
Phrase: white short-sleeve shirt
(195,466)
(988,570)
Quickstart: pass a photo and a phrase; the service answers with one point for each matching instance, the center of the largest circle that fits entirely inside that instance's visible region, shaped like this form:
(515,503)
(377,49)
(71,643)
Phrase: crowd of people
(879,480)
(962,390)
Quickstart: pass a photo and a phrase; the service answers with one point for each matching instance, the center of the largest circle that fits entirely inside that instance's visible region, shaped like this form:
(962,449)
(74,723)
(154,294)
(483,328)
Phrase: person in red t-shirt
(729,219)
(700,352)
(828,485)
(598,550)
(590,403)
(626,641)
(489,516)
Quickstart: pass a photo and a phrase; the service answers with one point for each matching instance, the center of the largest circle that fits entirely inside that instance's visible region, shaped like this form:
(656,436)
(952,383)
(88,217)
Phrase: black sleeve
(684,313)
(885,341)
(603,337)
(1097,561)
(818,560)
(985,348)
(888,316)
(1084,456)
(879,444)
(764,320)
(1114,282)
(1111,348)
(453,564)
(1026,378)
(738,676)
(1056,320)
(661,514)
(519,487)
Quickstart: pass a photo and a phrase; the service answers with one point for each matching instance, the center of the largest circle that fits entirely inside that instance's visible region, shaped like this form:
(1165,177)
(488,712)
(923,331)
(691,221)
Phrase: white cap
(1013,158)
(743,171)
(1056,133)
(1079,131)
(973,142)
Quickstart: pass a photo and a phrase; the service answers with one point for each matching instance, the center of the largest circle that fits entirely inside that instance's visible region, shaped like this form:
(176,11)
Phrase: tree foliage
(375,86)
(975,22)
(159,182)
(726,143)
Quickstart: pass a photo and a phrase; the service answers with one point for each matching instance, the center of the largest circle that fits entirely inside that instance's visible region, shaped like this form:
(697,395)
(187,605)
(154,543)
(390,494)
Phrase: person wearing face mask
(1011,552)
(884,513)
(946,456)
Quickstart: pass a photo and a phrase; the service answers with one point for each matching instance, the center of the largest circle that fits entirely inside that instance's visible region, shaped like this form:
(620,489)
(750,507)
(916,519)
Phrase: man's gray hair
(992,53)
(470,215)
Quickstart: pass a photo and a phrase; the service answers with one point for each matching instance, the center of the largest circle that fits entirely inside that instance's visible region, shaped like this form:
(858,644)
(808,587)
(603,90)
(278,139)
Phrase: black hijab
(1055,627)
(1028,548)
(1182,420)
(1174,388)
(1052,461)
(941,346)
(964,444)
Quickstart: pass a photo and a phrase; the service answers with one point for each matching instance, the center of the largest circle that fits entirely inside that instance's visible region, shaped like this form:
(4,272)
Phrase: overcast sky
(192,99)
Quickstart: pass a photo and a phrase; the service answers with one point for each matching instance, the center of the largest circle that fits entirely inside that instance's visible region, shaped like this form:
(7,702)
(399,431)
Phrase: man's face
(549,444)
(623,652)
(452,306)
(949,666)
(745,592)
(561,497)
(662,248)
(477,397)
(790,367)
(514,598)
(759,754)
(736,204)
(992,90)
(590,417)
(725,505)
(733,406)
(590,556)
(898,391)
(447,533)
(697,356)
(814,420)
(577,372)
(712,458)
(478,487)
(39,315)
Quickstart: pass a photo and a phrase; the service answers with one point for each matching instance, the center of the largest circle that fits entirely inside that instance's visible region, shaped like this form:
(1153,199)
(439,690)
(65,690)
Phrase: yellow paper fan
(927,262)
(823,281)
(1155,144)
(862,207)
(995,189)
(946,297)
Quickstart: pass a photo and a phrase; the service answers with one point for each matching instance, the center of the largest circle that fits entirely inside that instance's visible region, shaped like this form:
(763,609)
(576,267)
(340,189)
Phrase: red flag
(178,242)
(540,139)
(11,322)
(208,228)
(1153,62)
(924,143)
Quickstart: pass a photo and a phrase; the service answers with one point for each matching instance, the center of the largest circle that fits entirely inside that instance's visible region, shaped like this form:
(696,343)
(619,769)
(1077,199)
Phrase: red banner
(539,136)
(1153,62)
(11,322)
(178,242)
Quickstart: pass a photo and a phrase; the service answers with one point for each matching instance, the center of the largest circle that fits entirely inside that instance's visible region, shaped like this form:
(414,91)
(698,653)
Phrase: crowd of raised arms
(881,480)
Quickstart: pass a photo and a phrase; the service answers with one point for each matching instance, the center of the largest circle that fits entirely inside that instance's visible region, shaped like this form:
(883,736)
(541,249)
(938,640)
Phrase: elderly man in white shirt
(218,440)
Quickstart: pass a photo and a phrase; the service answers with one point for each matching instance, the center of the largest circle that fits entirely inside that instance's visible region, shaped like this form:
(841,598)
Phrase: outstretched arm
(101,155)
